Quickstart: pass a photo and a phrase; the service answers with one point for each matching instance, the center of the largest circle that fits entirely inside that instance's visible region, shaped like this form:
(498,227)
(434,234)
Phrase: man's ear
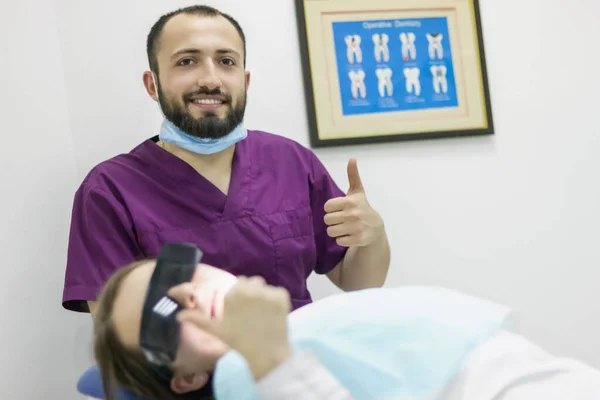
(150,85)
(181,384)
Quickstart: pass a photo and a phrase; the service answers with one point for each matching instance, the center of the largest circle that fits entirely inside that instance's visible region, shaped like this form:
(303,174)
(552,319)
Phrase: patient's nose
(183,294)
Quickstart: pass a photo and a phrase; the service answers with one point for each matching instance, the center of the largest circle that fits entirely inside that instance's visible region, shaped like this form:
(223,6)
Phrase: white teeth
(435,45)
(440,82)
(413,85)
(208,101)
(408,45)
(353,50)
(358,87)
(384,76)
(382,51)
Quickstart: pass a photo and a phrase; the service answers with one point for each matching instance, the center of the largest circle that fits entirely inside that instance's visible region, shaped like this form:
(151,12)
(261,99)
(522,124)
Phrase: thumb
(354,177)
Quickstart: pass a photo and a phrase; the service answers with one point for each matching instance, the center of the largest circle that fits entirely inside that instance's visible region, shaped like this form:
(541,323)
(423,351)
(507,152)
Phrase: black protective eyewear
(159,333)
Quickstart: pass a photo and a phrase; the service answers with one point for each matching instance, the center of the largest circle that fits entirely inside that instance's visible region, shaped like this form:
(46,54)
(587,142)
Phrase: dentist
(255,202)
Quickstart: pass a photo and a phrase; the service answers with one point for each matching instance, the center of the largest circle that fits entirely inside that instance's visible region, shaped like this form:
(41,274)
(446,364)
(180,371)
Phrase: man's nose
(208,76)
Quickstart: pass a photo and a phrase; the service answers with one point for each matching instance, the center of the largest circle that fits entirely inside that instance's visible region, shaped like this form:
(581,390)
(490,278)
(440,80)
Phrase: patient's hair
(125,368)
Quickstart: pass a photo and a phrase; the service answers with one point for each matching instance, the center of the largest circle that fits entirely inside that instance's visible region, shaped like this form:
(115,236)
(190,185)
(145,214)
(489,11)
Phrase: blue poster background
(363,65)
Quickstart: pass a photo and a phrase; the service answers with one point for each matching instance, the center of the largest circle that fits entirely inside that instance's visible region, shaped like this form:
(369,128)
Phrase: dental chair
(90,385)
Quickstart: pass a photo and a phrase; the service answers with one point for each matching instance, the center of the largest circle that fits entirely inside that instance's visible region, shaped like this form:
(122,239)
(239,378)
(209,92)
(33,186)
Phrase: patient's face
(198,350)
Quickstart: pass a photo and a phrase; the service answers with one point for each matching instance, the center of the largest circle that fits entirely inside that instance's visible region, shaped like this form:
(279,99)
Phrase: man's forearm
(366,266)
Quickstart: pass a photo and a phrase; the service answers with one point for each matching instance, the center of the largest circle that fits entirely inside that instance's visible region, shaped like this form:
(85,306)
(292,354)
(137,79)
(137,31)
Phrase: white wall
(37,175)
(513,217)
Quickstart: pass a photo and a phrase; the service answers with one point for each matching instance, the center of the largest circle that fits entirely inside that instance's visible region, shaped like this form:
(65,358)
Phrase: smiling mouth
(207,104)
(207,101)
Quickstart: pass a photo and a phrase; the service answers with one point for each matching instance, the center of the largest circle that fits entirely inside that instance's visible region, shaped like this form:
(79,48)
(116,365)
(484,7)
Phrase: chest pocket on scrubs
(295,251)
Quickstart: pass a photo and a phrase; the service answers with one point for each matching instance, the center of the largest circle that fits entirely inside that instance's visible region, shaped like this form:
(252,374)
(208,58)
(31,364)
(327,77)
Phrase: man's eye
(228,61)
(185,61)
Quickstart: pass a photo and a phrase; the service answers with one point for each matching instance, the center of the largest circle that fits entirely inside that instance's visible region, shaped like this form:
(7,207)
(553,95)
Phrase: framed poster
(389,70)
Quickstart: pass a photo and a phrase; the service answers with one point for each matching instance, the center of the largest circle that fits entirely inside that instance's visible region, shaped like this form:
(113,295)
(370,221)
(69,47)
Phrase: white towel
(509,367)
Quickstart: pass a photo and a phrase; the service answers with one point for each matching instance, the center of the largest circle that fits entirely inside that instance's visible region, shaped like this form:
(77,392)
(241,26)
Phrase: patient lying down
(235,339)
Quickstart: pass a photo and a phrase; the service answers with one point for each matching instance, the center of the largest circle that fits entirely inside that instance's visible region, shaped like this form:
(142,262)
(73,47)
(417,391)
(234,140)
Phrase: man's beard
(210,126)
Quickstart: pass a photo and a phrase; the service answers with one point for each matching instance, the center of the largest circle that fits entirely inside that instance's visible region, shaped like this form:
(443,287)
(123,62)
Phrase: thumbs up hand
(350,219)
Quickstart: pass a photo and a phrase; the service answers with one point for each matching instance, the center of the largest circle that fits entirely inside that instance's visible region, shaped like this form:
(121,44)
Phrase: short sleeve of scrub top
(101,238)
(270,223)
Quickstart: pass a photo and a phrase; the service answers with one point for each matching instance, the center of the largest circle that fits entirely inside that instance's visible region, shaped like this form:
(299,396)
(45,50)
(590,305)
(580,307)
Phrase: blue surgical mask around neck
(170,133)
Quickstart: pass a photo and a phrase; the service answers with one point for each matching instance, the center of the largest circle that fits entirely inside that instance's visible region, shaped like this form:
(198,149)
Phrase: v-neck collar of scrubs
(228,206)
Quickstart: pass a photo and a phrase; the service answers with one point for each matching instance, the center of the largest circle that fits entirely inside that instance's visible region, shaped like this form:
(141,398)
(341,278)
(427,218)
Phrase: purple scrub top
(270,224)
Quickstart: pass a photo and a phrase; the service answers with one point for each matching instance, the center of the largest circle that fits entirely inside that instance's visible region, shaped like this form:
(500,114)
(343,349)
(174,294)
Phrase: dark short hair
(200,10)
